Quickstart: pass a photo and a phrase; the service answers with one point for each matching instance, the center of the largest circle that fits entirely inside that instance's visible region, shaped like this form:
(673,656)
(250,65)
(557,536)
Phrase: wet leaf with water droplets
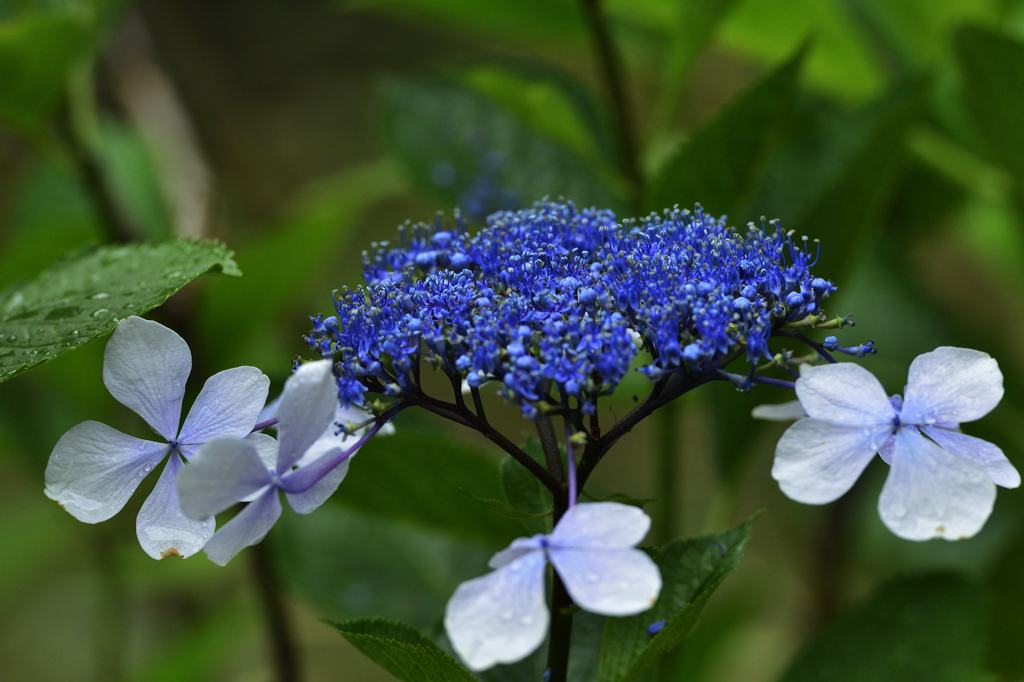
(86,293)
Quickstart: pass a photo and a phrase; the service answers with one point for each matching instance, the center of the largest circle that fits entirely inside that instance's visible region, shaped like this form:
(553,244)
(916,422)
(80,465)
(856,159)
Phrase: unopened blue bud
(588,296)
(794,300)
(831,343)
(655,627)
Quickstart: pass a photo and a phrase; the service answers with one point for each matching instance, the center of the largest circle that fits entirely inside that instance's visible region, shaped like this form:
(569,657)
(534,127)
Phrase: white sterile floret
(942,485)
(307,463)
(502,617)
(94,469)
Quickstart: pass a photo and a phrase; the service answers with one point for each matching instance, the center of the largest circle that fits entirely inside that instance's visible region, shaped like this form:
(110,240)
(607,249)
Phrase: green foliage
(416,477)
(402,651)
(505,509)
(524,492)
(83,296)
(134,179)
(721,163)
(352,563)
(691,570)
(926,629)
(467,151)
(993,93)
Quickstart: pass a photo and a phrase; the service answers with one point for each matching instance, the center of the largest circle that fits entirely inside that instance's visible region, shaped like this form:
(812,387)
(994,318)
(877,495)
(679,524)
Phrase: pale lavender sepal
(931,493)
(885,450)
(844,393)
(782,412)
(94,469)
(951,385)
(247,528)
(162,527)
(224,471)
(145,367)
(269,411)
(308,500)
(307,406)
(500,617)
(518,548)
(989,456)
(610,582)
(601,525)
(816,462)
(228,405)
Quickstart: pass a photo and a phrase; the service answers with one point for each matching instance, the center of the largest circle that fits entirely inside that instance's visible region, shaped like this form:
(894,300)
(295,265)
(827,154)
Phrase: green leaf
(468,152)
(691,570)
(525,492)
(504,508)
(83,296)
(844,62)
(354,563)
(402,651)
(557,21)
(415,477)
(1005,655)
(622,498)
(926,629)
(720,165)
(993,93)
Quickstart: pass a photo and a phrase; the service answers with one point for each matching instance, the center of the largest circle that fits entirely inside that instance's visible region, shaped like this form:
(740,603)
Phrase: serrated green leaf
(402,651)
(416,476)
(504,508)
(691,570)
(720,165)
(468,152)
(525,492)
(83,296)
(925,629)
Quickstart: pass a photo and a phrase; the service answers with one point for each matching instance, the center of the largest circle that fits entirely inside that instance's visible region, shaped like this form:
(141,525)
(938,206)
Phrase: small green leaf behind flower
(84,295)
(691,570)
(402,650)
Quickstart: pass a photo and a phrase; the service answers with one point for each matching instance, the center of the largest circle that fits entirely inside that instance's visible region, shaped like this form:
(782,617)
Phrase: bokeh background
(298,132)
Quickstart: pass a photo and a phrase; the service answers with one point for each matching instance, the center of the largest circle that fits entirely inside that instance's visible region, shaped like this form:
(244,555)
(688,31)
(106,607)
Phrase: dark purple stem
(813,344)
(739,379)
(303,479)
(263,425)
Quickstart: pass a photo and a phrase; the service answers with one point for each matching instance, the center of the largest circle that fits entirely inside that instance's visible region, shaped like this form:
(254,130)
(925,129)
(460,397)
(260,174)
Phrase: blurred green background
(298,132)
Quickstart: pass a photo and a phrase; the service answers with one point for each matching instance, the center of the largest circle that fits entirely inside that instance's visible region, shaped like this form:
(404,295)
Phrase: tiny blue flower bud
(794,300)
(655,627)
(588,296)
(831,343)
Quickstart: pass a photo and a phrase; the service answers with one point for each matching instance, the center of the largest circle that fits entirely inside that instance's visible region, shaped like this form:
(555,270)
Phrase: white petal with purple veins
(932,493)
(247,528)
(616,582)
(782,412)
(224,471)
(990,457)
(885,450)
(500,617)
(162,528)
(817,462)
(951,385)
(228,405)
(601,525)
(94,469)
(307,406)
(844,393)
(145,366)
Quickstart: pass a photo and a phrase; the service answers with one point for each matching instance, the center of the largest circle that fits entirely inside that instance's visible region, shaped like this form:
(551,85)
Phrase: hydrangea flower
(306,464)
(502,617)
(941,483)
(550,299)
(94,469)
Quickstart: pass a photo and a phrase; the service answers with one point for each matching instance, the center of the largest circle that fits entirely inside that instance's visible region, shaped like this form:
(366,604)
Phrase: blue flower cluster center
(555,303)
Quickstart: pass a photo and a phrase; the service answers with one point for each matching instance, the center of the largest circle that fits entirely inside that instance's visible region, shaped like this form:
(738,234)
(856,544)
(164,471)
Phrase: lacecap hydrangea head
(555,302)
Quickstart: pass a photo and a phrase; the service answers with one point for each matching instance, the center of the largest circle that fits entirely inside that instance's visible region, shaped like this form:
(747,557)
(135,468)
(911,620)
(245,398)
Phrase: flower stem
(549,442)
(668,469)
(611,73)
(560,630)
(286,660)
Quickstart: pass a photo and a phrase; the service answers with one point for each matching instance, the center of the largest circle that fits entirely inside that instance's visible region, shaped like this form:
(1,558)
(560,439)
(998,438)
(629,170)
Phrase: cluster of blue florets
(555,302)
